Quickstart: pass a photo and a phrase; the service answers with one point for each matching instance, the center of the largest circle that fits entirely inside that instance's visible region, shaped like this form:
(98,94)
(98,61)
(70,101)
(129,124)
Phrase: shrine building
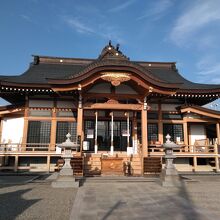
(119,111)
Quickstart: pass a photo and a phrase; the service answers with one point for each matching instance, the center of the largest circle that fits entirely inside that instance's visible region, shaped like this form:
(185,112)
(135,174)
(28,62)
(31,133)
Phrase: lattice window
(39,132)
(89,125)
(63,128)
(174,130)
(152,130)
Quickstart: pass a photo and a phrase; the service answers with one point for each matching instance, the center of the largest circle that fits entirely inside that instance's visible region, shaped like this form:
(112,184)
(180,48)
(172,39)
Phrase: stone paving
(25,197)
(13,180)
(196,200)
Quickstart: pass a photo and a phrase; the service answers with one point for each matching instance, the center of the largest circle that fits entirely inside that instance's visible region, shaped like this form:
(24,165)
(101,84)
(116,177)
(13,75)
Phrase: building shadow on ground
(178,205)
(172,204)
(12,204)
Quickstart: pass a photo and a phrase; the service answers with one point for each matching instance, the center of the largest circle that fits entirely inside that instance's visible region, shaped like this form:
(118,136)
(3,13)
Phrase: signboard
(85,145)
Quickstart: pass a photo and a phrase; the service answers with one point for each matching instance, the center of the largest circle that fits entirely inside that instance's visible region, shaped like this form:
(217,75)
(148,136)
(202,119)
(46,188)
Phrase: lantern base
(65,182)
(170,178)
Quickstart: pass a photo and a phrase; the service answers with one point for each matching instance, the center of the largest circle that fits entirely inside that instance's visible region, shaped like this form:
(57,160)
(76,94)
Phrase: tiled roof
(48,68)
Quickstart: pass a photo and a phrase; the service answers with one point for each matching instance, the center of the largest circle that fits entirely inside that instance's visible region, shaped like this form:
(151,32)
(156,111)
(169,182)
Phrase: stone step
(107,179)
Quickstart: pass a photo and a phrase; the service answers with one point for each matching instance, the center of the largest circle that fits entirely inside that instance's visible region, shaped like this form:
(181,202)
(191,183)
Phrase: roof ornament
(36,60)
(117,47)
(112,52)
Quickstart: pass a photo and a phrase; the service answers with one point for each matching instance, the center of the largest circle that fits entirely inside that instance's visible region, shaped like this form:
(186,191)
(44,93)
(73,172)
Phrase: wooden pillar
(185,133)
(53,131)
(217,163)
(80,118)
(1,128)
(16,163)
(48,163)
(160,123)
(80,126)
(53,135)
(189,135)
(144,132)
(194,163)
(25,129)
(216,157)
(218,133)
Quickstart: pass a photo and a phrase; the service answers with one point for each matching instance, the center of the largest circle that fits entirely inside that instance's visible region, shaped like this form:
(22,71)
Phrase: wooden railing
(46,147)
(206,149)
(14,147)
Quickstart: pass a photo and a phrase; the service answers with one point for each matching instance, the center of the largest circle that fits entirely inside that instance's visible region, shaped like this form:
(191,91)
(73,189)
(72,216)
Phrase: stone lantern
(169,175)
(65,178)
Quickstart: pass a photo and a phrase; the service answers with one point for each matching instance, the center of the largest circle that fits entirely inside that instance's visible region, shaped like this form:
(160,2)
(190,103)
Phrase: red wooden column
(25,129)
(160,123)
(53,128)
(185,132)
(80,119)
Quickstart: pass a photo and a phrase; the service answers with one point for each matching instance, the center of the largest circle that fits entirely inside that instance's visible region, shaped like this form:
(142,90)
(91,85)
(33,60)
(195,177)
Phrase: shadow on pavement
(116,206)
(172,204)
(187,206)
(178,206)
(12,204)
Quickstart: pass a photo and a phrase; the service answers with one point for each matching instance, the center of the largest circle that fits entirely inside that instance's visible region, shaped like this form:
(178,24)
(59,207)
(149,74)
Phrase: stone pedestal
(169,176)
(65,178)
(65,182)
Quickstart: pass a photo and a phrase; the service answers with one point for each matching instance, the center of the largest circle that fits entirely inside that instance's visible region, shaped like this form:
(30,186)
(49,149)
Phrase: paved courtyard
(196,200)
(111,198)
(29,197)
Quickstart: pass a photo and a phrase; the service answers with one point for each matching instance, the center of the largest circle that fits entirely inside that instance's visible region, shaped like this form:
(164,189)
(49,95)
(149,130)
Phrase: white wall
(12,130)
(197,133)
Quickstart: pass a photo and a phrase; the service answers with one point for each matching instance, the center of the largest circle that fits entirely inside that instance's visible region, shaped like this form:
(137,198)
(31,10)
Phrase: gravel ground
(35,200)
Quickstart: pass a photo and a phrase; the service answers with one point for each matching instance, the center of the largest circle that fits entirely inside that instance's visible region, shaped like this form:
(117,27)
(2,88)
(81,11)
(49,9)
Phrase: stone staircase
(115,179)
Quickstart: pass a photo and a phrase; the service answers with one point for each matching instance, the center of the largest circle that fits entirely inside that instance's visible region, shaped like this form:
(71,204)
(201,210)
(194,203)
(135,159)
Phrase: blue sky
(187,32)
